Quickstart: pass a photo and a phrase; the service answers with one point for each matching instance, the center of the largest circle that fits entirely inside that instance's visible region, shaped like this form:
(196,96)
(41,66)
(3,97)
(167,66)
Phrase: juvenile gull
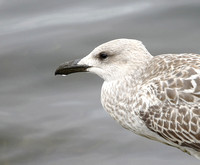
(156,97)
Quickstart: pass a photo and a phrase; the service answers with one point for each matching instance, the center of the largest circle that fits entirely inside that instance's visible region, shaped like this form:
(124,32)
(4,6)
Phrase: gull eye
(103,55)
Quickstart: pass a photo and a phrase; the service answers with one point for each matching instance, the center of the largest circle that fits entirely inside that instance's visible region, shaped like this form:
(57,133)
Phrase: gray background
(48,120)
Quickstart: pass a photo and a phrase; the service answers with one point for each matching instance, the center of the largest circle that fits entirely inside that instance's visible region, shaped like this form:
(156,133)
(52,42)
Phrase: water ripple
(78,15)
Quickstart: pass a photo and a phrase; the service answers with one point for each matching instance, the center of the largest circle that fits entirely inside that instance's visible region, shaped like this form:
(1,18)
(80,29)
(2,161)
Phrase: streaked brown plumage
(154,96)
(177,85)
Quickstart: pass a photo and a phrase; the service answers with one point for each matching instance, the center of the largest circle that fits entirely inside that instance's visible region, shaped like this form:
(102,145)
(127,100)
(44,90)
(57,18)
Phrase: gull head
(111,61)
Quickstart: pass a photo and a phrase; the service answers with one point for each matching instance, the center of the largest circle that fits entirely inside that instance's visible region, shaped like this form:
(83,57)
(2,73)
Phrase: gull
(157,97)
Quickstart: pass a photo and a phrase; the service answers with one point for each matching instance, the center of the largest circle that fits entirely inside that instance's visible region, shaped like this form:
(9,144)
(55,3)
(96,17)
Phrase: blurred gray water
(48,120)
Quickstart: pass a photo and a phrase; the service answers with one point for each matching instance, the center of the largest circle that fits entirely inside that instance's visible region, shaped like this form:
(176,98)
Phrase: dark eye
(103,55)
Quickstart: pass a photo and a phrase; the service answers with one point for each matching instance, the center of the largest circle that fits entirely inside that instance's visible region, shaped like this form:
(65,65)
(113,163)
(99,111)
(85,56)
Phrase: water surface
(48,120)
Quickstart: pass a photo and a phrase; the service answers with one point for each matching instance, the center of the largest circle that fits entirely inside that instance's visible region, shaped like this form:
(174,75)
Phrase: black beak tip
(56,72)
(71,67)
(67,67)
(61,71)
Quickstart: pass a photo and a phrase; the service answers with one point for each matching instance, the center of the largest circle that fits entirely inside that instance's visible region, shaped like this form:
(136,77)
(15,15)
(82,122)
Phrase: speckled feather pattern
(157,97)
(162,103)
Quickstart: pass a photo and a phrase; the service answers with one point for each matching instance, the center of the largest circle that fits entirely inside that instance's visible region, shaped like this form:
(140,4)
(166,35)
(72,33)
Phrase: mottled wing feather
(179,125)
(177,117)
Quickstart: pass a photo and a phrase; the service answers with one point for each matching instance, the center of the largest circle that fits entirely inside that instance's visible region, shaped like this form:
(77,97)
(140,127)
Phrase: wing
(177,117)
(179,125)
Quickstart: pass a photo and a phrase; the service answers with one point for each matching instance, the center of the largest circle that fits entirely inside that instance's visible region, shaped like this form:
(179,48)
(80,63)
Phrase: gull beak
(71,67)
